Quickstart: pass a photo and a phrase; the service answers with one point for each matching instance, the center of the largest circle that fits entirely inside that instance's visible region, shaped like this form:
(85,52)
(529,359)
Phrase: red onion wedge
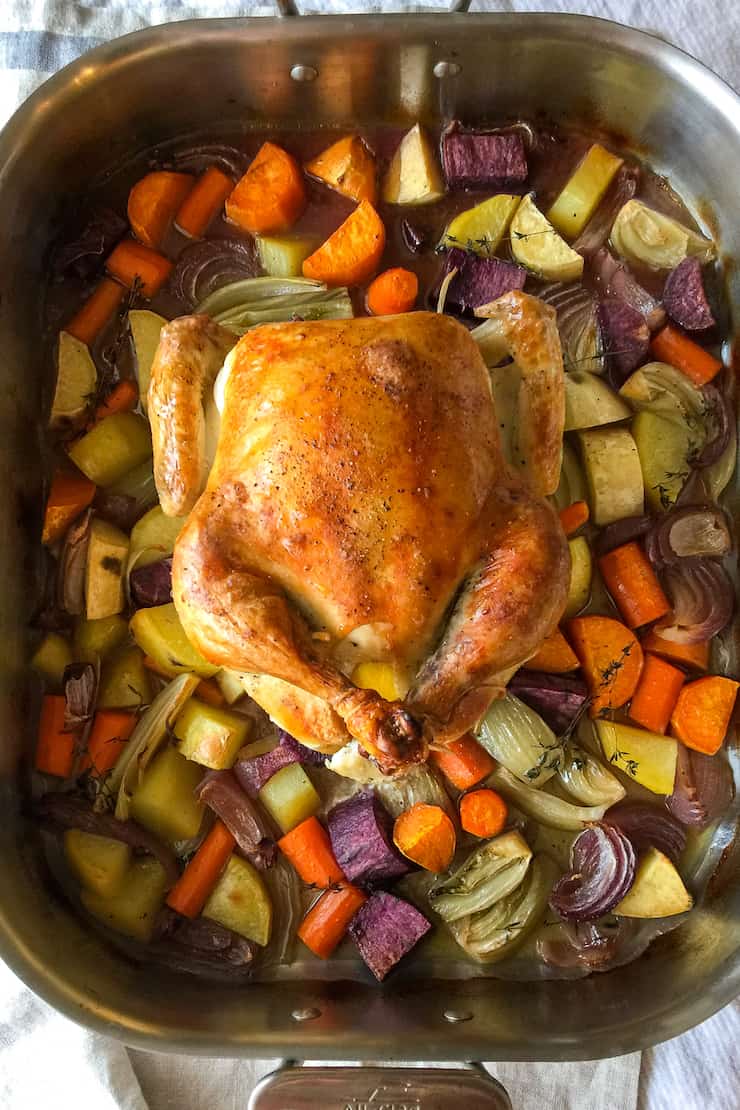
(648,826)
(68,811)
(594,947)
(613,279)
(688,532)
(580,334)
(703,600)
(703,789)
(720,417)
(206,266)
(80,693)
(151,584)
(602,862)
(596,231)
(197,159)
(221,792)
(558,698)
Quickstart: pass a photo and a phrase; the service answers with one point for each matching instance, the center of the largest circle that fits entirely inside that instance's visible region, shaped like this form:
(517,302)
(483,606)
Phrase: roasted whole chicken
(359,508)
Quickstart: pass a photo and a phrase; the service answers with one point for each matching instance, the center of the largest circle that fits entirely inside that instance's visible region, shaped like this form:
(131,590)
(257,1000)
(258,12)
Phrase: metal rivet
(447,69)
(454,1016)
(308,1013)
(304,73)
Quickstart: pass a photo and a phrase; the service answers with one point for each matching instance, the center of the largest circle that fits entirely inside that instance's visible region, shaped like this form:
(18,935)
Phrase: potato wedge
(107,554)
(159,634)
(481,229)
(658,889)
(590,402)
(125,682)
(153,537)
(145,327)
(133,909)
(240,901)
(209,735)
(664,447)
(647,757)
(582,192)
(613,472)
(98,862)
(50,659)
(284,256)
(537,246)
(414,175)
(290,797)
(95,639)
(77,378)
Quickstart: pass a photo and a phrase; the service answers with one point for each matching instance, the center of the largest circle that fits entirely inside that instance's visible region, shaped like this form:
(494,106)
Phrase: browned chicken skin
(358,482)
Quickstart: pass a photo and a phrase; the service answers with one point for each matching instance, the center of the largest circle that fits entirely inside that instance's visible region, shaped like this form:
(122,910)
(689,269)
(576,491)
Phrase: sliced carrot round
(483,812)
(392,292)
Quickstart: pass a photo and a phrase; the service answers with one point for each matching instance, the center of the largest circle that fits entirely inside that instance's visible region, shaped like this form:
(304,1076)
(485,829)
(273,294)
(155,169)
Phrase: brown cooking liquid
(551,159)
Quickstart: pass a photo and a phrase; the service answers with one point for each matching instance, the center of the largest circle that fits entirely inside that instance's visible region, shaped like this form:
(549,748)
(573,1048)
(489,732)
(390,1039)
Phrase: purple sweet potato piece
(221,792)
(625,334)
(385,929)
(478,159)
(557,698)
(685,298)
(361,838)
(255,772)
(303,753)
(478,281)
(151,584)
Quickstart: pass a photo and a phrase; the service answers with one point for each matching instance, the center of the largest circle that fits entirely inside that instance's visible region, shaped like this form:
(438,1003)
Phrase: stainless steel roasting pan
(185,77)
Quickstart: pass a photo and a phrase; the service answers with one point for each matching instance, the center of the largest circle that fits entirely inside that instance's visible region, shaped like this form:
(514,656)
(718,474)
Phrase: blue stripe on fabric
(42,50)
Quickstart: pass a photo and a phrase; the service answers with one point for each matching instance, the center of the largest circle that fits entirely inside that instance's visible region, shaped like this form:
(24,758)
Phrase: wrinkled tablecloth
(45,1059)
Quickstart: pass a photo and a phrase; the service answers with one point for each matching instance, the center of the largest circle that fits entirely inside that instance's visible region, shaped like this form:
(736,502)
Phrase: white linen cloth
(45,1059)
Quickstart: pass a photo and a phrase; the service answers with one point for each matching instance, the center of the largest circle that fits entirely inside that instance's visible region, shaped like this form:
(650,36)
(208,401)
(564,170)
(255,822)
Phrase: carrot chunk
(153,202)
(190,893)
(96,311)
(271,195)
(702,713)
(328,919)
(55,751)
(131,260)
(554,656)
(657,692)
(204,202)
(123,398)
(108,736)
(483,813)
(672,346)
(426,835)
(347,166)
(611,658)
(633,584)
(573,517)
(352,254)
(69,495)
(464,762)
(694,656)
(309,849)
(392,292)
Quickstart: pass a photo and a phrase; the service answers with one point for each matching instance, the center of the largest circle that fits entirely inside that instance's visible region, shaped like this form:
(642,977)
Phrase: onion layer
(602,870)
(647,826)
(703,600)
(720,417)
(206,266)
(703,789)
(590,946)
(580,334)
(688,532)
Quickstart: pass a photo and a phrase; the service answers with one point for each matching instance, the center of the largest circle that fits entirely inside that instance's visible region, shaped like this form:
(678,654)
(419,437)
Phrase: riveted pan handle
(290,8)
(298,1086)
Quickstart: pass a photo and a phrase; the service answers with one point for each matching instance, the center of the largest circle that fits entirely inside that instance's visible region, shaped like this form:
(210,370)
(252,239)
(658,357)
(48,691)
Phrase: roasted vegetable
(164,801)
(544,807)
(589,402)
(96,639)
(490,873)
(413,176)
(382,677)
(210,736)
(649,826)
(572,480)
(587,780)
(221,792)
(151,585)
(240,901)
(98,862)
(685,298)
(581,574)
(477,281)
(665,449)
(536,245)
(665,391)
(657,891)
(476,159)
(134,908)
(361,836)
(289,796)
(495,933)
(348,166)
(107,554)
(76,381)
(253,769)
(160,635)
(481,229)
(602,869)
(558,698)
(385,929)
(519,739)
(153,537)
(650,238)
(113,447)
(614,474)
(51,658)
(646,757)
(625,336)
(703,788)
(577,200)
(145,328)
(124,680)
(284,257)
(242,305)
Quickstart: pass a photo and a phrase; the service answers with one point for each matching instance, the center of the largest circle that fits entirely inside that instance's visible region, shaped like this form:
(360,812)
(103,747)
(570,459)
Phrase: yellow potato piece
(414,175)
(537,246)
(76,380)
(240,901)
(582,192)
(658,889)
(646,757)
(145,327)
(133,909)
(481,229)
(164,801)
(581,573)
(160,635)
(612,465)
(99,862)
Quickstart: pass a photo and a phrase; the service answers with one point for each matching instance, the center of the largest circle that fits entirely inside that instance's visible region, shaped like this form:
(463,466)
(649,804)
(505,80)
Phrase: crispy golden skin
(359,480)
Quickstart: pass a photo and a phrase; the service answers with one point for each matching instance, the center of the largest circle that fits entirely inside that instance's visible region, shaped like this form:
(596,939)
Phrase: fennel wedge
(492,872)
(264,300)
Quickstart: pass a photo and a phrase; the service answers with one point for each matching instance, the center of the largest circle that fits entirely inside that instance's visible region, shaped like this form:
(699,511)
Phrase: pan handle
(290,8)
(375,1086)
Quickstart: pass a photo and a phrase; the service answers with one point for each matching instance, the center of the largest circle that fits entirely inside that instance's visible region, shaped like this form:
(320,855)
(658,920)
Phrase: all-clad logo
(382,1099)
